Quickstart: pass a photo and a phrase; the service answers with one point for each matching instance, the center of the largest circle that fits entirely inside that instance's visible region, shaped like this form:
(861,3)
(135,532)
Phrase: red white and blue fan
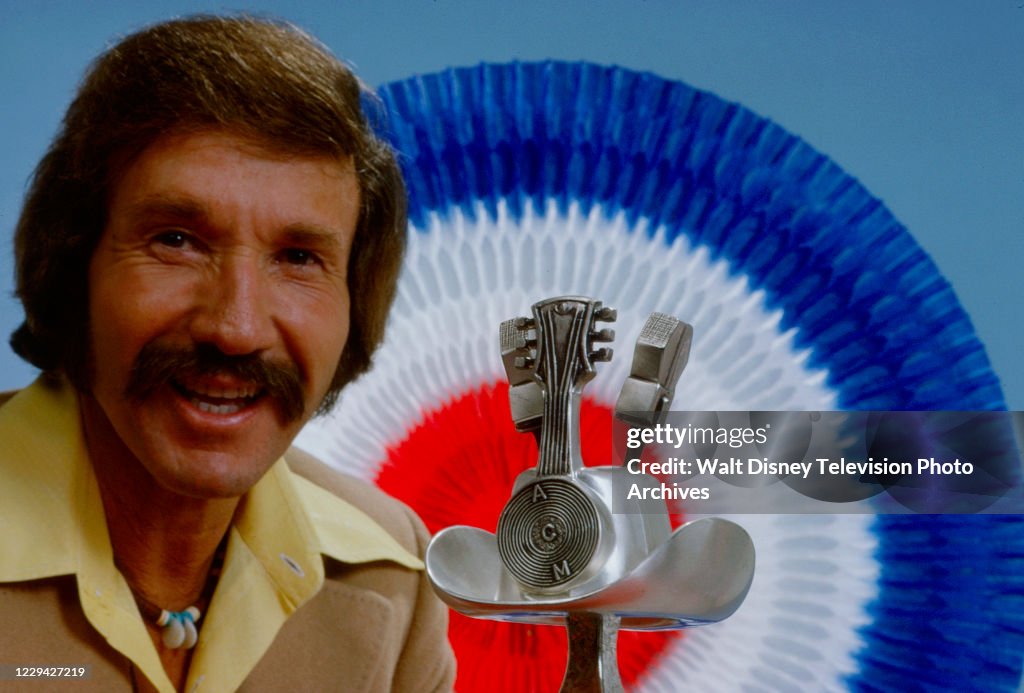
(534,180)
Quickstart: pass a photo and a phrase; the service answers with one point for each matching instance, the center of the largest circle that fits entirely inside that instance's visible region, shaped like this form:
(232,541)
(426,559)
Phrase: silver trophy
(561,555)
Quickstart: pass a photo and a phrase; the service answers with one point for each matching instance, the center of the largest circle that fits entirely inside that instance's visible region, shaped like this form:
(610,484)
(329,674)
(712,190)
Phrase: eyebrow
(313,235)
(167,207)
(184,210)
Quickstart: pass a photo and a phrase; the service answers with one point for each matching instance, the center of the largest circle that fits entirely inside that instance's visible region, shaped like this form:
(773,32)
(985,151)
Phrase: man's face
(217,295)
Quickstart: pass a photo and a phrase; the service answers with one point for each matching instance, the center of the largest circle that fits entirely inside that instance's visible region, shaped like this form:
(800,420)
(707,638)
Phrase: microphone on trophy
(571,547)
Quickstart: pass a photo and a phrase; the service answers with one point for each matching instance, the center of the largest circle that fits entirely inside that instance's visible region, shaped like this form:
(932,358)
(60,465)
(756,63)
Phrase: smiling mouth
(218,400)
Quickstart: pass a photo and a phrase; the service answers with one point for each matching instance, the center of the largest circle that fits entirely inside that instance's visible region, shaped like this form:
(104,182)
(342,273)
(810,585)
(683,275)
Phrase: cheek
(320,334)
(125,313)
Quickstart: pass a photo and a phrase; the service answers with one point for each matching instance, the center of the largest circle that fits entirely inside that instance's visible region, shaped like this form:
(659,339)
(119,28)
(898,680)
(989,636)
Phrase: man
(206,256)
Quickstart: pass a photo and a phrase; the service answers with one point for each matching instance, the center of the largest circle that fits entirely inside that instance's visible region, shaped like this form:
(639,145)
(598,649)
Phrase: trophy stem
(592,665)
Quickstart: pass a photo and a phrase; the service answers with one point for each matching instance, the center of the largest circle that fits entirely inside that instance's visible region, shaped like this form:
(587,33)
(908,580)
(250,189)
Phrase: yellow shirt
(52,523)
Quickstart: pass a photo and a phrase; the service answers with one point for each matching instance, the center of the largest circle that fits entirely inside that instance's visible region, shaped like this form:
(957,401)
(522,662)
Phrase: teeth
(216,408)
(197,388)
(225,400)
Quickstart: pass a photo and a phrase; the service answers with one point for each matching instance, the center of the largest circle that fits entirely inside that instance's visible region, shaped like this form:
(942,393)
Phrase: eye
(299,257)
(172,239)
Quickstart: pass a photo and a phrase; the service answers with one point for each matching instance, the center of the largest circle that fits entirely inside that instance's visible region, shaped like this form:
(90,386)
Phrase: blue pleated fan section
(866,299)
(950,616)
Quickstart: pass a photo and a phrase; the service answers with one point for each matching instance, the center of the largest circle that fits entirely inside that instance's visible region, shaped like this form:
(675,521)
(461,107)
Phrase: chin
(210,476)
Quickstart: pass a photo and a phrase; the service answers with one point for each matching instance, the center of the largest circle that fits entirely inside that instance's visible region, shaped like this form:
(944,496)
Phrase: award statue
(561,554)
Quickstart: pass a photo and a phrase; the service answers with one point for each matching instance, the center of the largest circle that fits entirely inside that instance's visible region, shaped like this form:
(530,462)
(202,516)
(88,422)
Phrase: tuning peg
(602,354)
(603,335)
(524,362)
(606,314)
(524,323)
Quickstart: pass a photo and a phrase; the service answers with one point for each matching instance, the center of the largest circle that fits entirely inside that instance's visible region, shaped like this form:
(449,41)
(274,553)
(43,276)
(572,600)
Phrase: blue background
(921,101)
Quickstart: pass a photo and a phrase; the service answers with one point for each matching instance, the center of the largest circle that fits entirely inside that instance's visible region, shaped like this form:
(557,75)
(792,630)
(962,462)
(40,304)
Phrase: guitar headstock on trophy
(554,348)
(548,359)
(569,549)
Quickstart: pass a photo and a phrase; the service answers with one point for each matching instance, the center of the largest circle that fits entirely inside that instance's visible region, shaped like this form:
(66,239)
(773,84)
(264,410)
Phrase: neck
(163,542)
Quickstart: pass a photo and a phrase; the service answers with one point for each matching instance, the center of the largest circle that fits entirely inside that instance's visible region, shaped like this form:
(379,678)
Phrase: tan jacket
(372,627)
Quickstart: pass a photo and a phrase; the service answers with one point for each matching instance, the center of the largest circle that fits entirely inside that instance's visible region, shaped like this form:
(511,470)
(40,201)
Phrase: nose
(234,310)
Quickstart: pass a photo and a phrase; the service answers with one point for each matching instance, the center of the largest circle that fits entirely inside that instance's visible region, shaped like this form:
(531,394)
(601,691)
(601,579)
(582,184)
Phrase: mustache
(157,365)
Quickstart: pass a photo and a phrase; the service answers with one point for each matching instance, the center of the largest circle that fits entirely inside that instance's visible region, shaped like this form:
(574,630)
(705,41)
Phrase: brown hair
(255,77)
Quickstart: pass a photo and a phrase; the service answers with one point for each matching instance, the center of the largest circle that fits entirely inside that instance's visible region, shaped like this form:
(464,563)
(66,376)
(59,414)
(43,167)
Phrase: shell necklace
(179,629)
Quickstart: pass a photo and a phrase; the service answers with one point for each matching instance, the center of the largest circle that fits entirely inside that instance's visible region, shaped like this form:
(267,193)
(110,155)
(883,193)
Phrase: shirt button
(290,562)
